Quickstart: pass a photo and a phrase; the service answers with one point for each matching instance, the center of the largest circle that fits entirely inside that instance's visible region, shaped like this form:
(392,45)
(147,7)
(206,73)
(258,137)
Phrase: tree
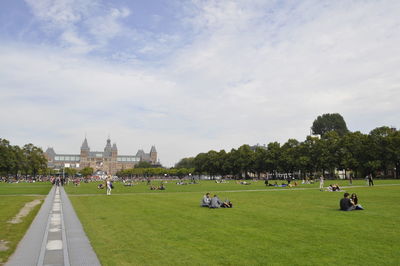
(260,160)
(394,150)
(185,163)
(328,149)
(352,151)
(380,142)
(5,156)
(272,156)
(35,159)
(329,122)
(87,171)
(70,172)
(289,159)
(143,164)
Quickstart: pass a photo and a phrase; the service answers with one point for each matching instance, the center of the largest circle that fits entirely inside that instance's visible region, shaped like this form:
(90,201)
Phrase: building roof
(153,149)
(85,145)
(50,152)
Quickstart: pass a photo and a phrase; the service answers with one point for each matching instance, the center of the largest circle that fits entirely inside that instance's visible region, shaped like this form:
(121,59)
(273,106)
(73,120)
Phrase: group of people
(161,187)
(350,203)
(108,185)
(333,188)
(215,202)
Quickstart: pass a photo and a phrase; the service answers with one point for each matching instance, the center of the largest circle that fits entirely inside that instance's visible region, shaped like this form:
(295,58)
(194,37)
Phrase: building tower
(153,155)
(84,154)
(114,155)
(107,148)
(114,152)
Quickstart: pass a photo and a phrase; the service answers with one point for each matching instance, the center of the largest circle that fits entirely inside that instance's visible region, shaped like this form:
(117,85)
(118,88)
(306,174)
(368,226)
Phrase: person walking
(321,183)
(108,185)
(370,180)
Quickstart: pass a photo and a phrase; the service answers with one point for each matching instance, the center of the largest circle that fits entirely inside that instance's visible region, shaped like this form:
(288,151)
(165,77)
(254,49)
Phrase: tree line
(159,172)
(26,160)
(377,152)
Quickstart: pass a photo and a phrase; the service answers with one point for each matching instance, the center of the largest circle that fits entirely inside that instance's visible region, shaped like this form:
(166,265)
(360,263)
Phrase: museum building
(107,161)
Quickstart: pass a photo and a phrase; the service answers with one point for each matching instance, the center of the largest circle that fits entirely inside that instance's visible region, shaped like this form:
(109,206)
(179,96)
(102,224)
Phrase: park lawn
(38,188)
(203,186)
(13,197)
(286,227)
(13,233)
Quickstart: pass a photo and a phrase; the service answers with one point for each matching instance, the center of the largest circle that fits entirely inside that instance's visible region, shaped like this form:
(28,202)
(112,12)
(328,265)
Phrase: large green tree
(35,159)
(185,163)
(87,171)
(329,122)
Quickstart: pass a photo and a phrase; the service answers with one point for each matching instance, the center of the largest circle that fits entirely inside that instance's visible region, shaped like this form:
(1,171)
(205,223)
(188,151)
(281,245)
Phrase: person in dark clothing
(346,204)
(370,180)
(266,182)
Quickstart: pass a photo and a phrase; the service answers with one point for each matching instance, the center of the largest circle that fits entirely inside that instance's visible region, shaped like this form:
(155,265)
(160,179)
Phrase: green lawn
(12,199)
(203,186)
(38,188)
(289,227)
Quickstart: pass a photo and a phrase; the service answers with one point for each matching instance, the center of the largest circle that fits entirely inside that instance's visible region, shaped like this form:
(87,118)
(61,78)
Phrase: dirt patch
(24,211)
(3,246)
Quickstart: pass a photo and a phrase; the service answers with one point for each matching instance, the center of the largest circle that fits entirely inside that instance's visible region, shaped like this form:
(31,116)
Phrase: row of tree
(159,172)
(26,160)
(377,152)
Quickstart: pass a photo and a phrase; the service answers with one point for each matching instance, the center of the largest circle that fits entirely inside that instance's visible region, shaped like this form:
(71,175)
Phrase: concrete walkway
(55,237)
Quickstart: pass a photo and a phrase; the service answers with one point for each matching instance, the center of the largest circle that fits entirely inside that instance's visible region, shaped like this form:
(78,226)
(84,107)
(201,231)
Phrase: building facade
(108,161)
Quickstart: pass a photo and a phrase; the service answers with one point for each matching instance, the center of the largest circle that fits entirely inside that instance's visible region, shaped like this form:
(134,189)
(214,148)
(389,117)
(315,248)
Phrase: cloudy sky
(194,75)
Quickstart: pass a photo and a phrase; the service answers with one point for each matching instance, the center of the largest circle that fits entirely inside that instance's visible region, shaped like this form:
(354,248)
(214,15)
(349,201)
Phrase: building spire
(85,145)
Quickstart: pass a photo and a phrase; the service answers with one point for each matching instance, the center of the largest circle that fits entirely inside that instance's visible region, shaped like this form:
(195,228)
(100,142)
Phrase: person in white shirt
(108,184)
(206,200)
(321,183)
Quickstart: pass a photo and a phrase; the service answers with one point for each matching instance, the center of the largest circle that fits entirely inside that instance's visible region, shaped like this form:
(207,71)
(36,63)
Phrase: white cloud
(61,13)
(254,72)
(83,25)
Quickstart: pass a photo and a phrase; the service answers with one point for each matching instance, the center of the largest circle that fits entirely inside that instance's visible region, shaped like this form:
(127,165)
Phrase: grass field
(203,186)
(12,199)
(274,226)
(38,188)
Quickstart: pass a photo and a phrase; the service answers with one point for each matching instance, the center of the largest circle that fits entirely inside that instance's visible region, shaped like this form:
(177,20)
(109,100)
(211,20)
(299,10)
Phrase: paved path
(55,237)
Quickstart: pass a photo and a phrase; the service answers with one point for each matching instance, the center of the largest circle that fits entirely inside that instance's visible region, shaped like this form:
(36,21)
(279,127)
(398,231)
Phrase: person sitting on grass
(100,186)
(161,187)
(206,200)
(215,202)
(346,204)
(354,201)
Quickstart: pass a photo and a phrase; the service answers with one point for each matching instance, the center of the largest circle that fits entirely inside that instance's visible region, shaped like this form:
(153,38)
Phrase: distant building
(108,160)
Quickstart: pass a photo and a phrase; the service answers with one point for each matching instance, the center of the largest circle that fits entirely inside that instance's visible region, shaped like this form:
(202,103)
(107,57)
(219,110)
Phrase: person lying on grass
(217,203)
(162,187)
(100,186)
(346,204)
(334,187)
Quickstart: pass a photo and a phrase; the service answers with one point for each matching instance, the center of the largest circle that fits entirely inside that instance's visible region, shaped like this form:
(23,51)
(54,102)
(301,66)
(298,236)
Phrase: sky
(193,75)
